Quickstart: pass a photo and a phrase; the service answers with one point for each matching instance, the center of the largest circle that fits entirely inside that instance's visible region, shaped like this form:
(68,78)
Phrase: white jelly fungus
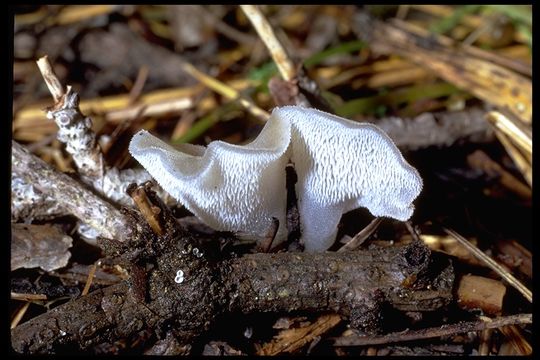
(341,165)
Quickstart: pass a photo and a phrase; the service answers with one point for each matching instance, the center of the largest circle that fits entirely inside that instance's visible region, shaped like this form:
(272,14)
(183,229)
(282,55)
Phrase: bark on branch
(355,284)
(70,194)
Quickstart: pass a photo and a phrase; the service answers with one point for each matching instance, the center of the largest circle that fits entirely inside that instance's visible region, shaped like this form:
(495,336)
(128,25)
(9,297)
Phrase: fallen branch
(69,194)
(254,283)
(74,130)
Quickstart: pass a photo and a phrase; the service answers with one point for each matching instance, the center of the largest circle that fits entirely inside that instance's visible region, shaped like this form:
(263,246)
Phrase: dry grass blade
(492,265)
(469,20)
(514,336)
(226,91)
(500,59)
(485,342)
(484,79)
(362,235)
(115,108)
(28,297)
(78,13)
(514,130)
(17,319)
(144,110)
(266,33)
(89,279)
(519,160)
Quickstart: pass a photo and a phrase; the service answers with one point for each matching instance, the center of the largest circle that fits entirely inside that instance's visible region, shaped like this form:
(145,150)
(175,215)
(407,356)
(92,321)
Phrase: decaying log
(355,284)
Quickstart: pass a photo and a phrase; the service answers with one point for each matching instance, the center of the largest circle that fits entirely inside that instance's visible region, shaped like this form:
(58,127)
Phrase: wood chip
(477,292)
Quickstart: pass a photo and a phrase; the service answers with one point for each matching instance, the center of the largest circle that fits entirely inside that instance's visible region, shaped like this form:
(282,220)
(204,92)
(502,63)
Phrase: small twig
(443,330)
(266,244)
(362,235)
(28,297)
(413,231)
(55,88)
(267,35)
(149,211)
(90,278)
(440,129)
(137,88)
(74,129)
(492,264)
(18,317)
(297,87)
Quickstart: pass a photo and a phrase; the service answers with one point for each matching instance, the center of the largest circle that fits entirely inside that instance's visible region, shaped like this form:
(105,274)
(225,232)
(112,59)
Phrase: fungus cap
(228,187)
(341,165)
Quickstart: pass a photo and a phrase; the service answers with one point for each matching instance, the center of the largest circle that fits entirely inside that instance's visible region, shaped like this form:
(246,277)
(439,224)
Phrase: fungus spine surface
(229,187)
(341,165)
